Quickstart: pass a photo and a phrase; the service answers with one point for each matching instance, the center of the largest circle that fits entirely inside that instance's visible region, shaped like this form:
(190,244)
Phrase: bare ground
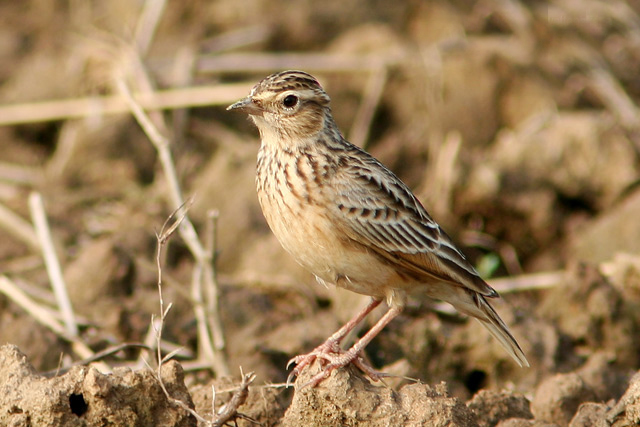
(516,123)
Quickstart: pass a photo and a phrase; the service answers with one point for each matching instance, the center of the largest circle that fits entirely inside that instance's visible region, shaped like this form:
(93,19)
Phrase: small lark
(350,221)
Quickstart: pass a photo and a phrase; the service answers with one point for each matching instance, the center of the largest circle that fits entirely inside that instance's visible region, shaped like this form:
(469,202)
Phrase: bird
(351,222)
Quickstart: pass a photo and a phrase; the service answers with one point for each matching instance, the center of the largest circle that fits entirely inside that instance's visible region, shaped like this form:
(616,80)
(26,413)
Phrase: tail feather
(481,310)
(499,330)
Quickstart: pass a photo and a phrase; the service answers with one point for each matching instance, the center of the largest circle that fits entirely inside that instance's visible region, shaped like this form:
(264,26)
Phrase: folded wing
(383,215)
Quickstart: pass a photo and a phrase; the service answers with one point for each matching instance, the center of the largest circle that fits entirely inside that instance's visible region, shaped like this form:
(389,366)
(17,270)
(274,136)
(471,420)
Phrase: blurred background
(515,122)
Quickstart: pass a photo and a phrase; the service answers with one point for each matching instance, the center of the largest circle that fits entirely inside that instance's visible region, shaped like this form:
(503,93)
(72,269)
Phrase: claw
(301,362)
(330,356)
(289,382)
(291,361)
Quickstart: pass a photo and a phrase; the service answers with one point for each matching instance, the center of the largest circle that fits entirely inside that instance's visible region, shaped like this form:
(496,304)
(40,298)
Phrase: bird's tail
(481,310)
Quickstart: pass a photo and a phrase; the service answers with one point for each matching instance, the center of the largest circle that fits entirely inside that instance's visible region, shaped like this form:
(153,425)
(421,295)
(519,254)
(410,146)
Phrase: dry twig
(14,224)
(613,95)
(148,23)
(227,412)
(361,126)
(167,230)
(96,357)
(19,174)
(209,332)
(45,318)
(313,62)
(528,282)
(196,96)
(51,262)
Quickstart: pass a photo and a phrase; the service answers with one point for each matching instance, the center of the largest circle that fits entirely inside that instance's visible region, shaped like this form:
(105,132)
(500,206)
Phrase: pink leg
(353,354)
(331,344)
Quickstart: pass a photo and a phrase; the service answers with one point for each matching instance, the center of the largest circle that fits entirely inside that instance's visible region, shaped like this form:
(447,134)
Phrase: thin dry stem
(196,96)
(205,340)
(238,38)
(255,62)
(182,74)
(149,342)
(229,411)
(372,94)
(510,258)
(211,283)
(512,284)
(528,282)
(615,98)
(19,174)
(52,264)
(44,317)
(135,68)
(204,263)
(148,23)
(167,279)
(167,230)
(21,229)
(441,173)
(96,357)
(69,140)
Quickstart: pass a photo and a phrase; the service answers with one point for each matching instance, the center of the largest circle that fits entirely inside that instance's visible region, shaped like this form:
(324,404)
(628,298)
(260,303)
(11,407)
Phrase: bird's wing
(378,211)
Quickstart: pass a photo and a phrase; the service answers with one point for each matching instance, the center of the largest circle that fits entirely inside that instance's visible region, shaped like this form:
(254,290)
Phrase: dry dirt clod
(491,407)
(601,374)
(557,398)
(265,405)
(346,398)
(627,411)
(85,397)
(521,422)
(590,415)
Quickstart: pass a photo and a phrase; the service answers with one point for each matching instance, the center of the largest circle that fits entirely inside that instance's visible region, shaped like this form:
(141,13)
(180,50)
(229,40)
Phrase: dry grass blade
(168,228)
(206,345)
(173,221)
(204,266)
(21,229)
(528,282)
(197,96)
(237,38)
(615,98)
(14,293)
(442,173)
(230,410)
(148,23)
(211,282)
(51,262)
(19,174)
(96,357)
(362,122)
(42,315)
(313,62)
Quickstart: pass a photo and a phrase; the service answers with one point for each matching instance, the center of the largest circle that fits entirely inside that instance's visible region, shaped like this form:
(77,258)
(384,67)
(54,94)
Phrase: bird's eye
(290,101)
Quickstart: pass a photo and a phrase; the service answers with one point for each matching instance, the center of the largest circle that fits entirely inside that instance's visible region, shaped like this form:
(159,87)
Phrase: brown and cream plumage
(351,221)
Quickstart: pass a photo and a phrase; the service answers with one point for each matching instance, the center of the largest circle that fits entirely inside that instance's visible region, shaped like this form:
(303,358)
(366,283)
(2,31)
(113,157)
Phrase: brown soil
(516,123)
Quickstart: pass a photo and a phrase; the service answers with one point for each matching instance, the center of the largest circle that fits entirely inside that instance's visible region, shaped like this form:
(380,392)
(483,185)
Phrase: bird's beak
(246,105)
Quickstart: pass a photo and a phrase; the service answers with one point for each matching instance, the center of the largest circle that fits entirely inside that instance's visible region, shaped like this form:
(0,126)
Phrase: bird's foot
(331,357)
(323,351)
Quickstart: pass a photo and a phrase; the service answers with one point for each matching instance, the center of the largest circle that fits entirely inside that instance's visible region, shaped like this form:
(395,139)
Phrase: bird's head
(290,105)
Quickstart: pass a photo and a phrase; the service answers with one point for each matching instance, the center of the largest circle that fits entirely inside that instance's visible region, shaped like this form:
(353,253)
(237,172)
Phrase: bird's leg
(353,354)
(331,345)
